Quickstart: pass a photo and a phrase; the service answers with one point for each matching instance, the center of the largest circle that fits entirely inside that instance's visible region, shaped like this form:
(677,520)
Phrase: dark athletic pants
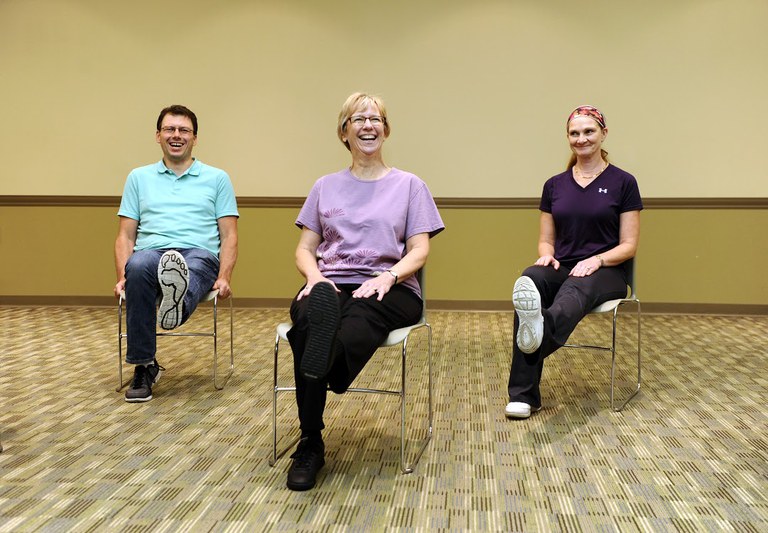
(565,300)
(365,323)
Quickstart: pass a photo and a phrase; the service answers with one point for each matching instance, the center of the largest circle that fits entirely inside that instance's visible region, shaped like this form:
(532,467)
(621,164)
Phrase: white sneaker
(527,301)
(519,410)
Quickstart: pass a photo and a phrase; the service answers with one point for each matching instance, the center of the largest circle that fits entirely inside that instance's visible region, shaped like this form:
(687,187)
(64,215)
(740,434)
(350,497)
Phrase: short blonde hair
(354,103)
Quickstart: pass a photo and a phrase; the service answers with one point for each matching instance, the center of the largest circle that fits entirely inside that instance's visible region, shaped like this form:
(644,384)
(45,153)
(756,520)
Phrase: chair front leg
(231,368)
(120,336)
(613,355)
(275,455)
(404,467)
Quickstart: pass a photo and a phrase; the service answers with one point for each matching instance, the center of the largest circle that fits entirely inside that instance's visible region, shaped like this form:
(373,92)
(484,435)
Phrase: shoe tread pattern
(323,314)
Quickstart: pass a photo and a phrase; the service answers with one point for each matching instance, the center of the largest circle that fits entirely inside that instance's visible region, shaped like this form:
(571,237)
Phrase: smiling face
(176,138)
(585,137)
(365,130)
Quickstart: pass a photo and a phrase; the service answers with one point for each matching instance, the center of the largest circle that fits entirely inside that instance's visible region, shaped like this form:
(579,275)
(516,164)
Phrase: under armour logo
(604,191)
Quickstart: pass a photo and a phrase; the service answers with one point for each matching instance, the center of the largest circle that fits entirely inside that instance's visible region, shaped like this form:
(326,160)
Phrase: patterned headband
(587,111)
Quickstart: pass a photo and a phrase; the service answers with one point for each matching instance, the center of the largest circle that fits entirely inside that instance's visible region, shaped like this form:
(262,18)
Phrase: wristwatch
(394,274)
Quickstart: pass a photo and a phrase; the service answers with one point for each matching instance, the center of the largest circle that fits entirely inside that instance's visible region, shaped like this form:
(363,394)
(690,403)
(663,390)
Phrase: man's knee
(142,261)
(197,258)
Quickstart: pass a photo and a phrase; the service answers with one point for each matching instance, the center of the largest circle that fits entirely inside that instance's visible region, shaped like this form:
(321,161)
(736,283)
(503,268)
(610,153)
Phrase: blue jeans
(142,290)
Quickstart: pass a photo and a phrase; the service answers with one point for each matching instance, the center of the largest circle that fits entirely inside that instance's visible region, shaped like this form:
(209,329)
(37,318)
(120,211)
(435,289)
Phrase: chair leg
(408,468)
(613,356)
(120,336)
(405,468)
(231,368)
(275,455)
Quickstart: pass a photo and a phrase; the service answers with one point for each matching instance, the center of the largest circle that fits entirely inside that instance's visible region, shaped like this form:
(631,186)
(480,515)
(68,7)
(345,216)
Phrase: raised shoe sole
(173,276)
(527,302)
(324,316)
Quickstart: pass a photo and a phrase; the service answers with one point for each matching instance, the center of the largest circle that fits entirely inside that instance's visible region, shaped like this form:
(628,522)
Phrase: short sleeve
(309,216)
(546,197)
(423,216)
(631,200)
(129,203)
(226,202)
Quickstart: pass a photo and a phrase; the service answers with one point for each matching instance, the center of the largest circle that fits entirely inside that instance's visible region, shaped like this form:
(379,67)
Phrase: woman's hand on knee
(378,286)
(584,268)
(308,287)
(546,260)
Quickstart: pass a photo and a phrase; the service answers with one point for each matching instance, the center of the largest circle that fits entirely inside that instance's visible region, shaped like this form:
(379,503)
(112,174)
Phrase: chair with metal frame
(212,296)
(612,306)
(395,337)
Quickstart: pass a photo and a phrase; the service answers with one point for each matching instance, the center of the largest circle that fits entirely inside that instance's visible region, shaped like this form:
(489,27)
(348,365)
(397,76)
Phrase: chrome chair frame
(211,296)
(395,337)
(612,306)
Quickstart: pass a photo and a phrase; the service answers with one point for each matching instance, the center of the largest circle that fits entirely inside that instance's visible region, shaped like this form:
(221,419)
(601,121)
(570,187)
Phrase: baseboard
(657,308)
(654,308)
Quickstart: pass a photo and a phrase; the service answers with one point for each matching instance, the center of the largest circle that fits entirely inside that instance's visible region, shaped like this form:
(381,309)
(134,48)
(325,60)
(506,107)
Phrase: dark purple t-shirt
(587,219)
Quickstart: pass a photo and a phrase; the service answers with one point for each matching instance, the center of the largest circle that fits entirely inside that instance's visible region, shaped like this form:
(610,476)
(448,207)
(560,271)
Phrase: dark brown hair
(178,110)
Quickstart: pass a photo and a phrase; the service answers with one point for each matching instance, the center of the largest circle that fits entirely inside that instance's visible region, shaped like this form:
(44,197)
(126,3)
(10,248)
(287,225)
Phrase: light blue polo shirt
(178,211)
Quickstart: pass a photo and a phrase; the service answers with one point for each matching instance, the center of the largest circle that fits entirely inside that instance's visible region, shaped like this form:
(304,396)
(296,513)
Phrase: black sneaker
(173,275)
(324,315)
(143,379)
(308,459)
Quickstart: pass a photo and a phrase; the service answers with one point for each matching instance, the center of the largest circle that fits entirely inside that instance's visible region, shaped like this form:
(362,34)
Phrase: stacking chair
(612,306)
(212,296)
(395,338)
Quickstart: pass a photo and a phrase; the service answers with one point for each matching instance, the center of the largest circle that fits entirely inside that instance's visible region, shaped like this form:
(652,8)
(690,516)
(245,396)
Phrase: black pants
(565,300)
(365,323)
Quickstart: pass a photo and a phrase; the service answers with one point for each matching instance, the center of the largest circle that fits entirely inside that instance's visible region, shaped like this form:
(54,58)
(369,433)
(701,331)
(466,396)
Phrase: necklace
(582,176)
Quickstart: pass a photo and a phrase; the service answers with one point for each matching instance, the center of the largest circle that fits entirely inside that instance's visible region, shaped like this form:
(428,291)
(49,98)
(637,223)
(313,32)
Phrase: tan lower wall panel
(686,257)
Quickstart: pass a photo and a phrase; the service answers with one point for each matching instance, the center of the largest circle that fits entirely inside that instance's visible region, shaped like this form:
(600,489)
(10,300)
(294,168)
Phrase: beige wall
(478,90)
(687,256)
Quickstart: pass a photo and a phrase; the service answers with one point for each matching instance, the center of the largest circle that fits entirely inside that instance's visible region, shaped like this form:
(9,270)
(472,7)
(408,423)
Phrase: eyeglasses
(359,120)
(171,129)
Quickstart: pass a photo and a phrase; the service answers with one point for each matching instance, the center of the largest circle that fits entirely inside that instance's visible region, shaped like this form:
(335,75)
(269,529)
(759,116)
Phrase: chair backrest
(421,278)
(630,268)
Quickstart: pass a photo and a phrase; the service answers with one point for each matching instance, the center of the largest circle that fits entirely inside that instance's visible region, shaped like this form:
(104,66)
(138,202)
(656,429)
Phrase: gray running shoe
(143,379)
(173,275)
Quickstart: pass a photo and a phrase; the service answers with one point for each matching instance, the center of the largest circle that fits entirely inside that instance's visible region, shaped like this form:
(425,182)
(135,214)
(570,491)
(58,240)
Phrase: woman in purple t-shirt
(589,226)
(364,234)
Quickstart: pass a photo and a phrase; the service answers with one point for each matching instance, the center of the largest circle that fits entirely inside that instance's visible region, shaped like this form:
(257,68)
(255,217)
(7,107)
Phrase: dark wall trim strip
(443,203)
(60,201)
(657,308)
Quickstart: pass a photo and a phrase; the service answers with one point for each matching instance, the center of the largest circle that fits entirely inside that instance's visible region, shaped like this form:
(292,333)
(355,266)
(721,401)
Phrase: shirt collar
(194,170)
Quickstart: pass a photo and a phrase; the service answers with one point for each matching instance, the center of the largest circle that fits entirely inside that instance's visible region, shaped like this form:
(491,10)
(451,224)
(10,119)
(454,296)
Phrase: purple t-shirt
(364,224)
(587,219)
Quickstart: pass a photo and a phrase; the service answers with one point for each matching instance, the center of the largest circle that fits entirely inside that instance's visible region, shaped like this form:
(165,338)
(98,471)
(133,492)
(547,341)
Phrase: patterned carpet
(690,453)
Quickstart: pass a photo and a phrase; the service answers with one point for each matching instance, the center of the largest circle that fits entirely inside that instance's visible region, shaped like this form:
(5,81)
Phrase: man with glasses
(177,239)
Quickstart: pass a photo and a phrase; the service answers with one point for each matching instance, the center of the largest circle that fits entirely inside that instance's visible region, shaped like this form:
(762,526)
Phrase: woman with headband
(589,226)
